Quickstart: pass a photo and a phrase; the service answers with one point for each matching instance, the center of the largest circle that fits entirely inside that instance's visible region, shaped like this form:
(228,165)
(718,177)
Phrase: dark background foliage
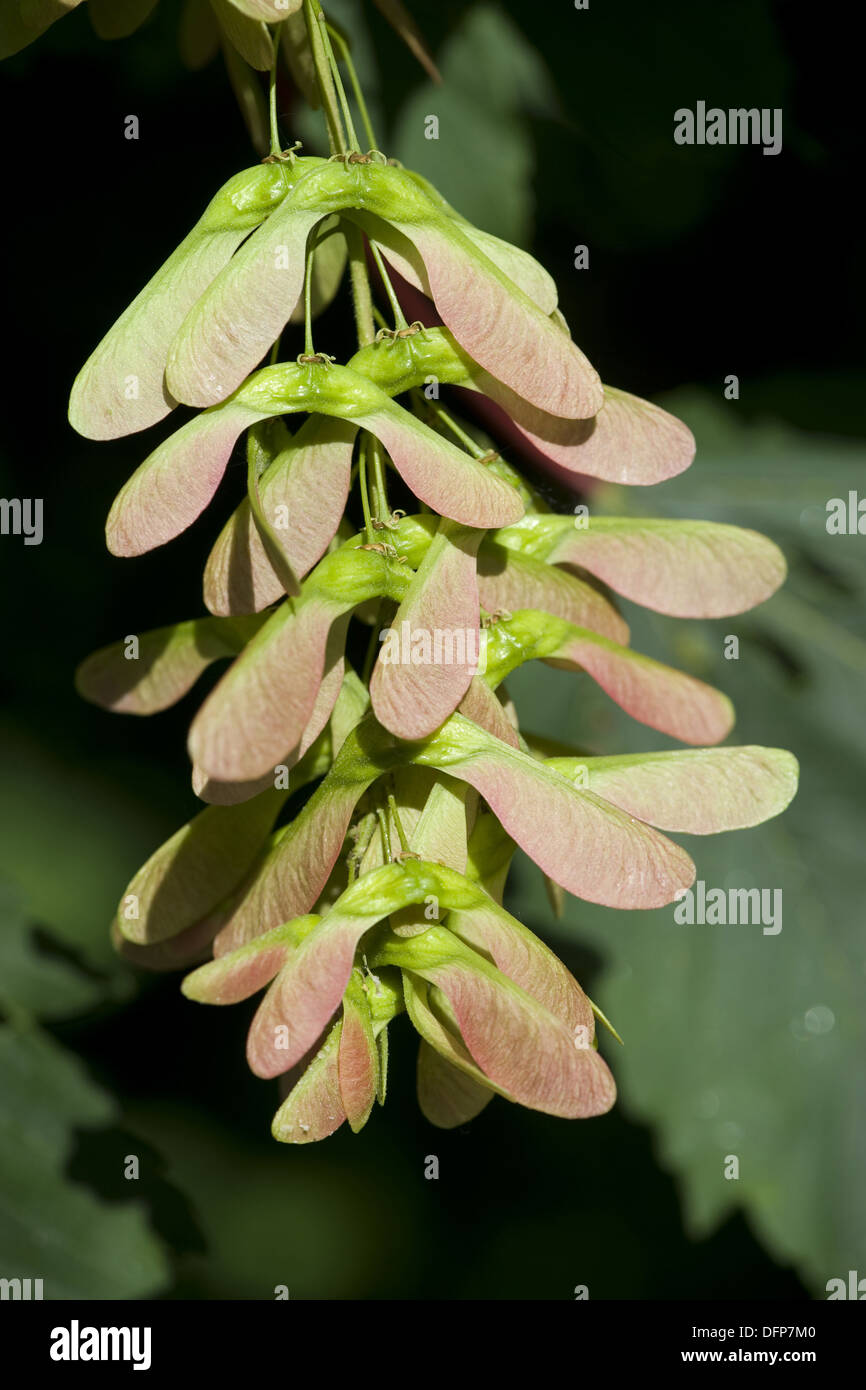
(703,262)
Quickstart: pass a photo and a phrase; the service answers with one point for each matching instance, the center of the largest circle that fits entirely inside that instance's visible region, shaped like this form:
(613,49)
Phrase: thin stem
(308,288)
(365,496)
(372,645)
(272,95)
(380,484)
(392,806)
(341,92)
(399,317)
(363,299)
(317,33)
(346,58)
(385,833)
(441,414)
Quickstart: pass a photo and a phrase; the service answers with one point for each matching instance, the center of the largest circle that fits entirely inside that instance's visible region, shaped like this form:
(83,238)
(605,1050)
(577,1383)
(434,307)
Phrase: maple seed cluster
(384,893)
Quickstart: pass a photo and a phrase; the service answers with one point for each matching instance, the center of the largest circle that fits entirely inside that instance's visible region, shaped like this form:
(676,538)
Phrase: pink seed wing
(167,663)
(588,847)
(229,793)
(310,481)
(121,388)
(655,694)
(509,581)
(265,700)
(358,1065)
(521,268)
(306,993)
(233,977)
(689,569)
(188,876)
(176,482)
(441,608)
(293,873)
(628,441)
(243,311)
(528,962)
(447,1096)
(697,791)
(522,1047)
(313,1109)
(500,327)
(450,481)
(482,706)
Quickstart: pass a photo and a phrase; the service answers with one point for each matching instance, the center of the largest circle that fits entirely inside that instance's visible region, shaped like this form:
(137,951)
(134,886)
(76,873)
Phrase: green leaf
(51,1228)
(491,80)
(33,979)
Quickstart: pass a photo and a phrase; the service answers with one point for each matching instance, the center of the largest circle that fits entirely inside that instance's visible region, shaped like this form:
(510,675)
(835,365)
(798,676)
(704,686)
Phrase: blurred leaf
(71,839)
(399,18)
(739,1042)
(317,1220)
(45,985)
(117,19)
(492,79)
(50,1228)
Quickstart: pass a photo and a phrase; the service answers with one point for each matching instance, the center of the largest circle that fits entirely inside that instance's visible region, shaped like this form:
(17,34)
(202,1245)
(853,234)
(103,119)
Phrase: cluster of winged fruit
(384,892)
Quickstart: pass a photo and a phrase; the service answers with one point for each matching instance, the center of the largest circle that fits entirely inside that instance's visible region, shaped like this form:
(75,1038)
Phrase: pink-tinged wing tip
(508,581)
(234,977)
(313,1109)
(502,330)
(358,1065)
(173,486)
(451,482)
(588,847)
(628,441)
(655,694)
(303,494)
(305,994)
(264,702)
(447,1096)
(433,647)
(688,569)
(522,1047)
(699,791)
